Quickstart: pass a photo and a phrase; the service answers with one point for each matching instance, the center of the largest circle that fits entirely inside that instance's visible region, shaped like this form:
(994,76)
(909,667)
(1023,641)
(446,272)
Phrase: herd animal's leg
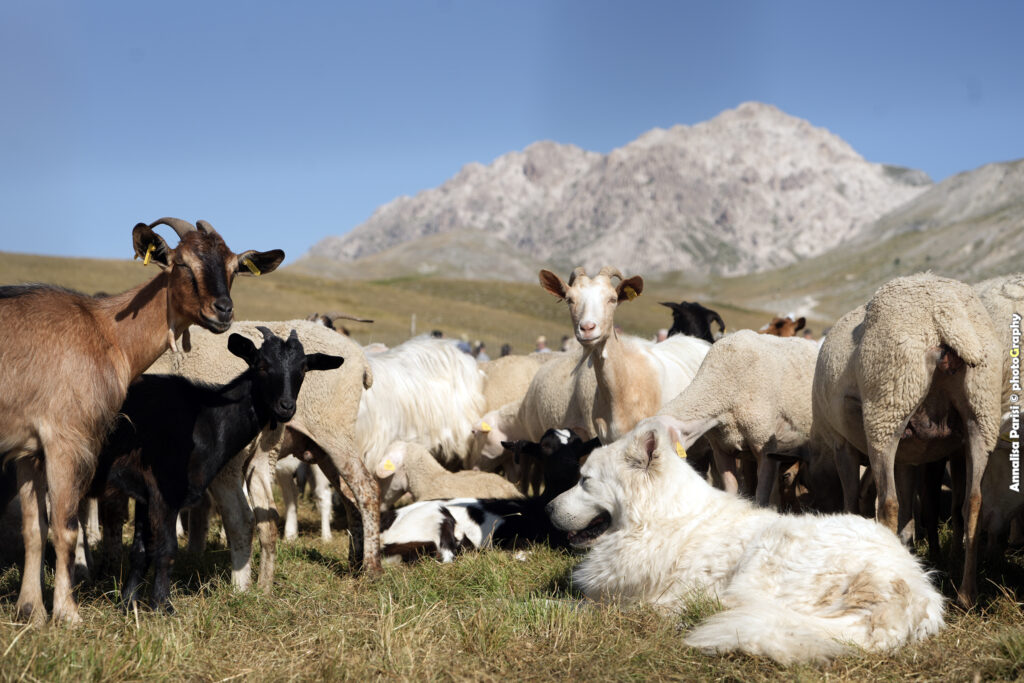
(68,474)
(199,524)
(725,463)
(906,487)
(848,466)
(348,464)
(767,475)
(32,496)
(138,556)
(290,495)
(931,495)
(259,477)
(977,461)
(113,511)
(322,490)
(238,519)
(83,553)
(162,521)
(748,474)
(883,466)
(958,478)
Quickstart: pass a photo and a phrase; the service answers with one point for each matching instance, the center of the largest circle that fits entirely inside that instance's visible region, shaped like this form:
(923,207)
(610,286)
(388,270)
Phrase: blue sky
(284,122)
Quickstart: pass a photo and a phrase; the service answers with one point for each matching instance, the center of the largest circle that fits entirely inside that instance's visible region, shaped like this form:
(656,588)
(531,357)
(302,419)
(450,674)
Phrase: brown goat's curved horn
(267,334)
(181,227)
(205,227)
(611,271)
(345,316)
(579,272)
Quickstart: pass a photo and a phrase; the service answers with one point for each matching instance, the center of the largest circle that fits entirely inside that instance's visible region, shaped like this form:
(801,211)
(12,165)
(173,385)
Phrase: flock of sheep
(917,377)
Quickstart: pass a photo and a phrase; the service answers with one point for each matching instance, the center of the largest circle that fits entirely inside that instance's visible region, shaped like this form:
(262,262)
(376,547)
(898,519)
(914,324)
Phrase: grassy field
(489,616)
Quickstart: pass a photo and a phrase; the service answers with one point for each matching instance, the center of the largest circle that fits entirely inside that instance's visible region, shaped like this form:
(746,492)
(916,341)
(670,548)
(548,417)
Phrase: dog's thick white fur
(792,587)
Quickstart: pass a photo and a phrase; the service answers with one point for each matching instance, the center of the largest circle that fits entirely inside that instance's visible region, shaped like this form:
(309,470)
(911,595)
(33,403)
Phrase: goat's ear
(259,262)
(242,347)
(800,322)
(553,283)
(323,361)
(150,246)
(630,288)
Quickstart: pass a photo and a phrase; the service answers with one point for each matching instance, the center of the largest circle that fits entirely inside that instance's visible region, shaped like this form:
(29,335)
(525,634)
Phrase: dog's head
(624,483)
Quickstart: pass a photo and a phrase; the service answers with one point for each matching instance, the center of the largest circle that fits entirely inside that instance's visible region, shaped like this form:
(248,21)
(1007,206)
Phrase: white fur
(792,587)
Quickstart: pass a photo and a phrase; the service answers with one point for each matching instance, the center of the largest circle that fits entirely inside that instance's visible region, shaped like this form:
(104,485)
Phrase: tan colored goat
(66,360)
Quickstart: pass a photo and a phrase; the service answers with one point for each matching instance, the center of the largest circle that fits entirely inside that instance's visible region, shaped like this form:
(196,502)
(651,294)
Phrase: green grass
(489,616)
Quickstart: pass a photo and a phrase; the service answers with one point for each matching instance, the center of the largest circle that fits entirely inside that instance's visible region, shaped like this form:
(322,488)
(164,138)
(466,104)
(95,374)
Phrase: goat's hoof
(31,614)
(67,617)
(164,607)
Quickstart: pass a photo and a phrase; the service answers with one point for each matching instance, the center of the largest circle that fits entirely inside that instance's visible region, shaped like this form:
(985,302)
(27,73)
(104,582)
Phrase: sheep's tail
(956,330)
(768,629)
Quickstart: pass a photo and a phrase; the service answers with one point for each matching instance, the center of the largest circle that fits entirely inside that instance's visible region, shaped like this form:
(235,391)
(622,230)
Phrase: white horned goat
(66,360)
(750,397)
(635,377)
(912,377)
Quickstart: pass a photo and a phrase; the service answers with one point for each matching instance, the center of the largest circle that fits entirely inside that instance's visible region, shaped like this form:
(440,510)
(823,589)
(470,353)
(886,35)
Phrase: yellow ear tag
(680,451)
(149,252)
(247,262)
(630,292)
(389,466)
(484,427)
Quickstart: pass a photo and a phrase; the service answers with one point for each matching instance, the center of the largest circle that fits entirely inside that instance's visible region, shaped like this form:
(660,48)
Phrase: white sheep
(410,467)
(1003,298)
(751,396)
(324,425)
(635,377)
(893,381)
(506,379)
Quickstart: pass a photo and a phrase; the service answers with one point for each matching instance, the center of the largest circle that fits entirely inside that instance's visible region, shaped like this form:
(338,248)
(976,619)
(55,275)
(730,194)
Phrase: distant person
(808,334)
(437,334)
(506,350)
(480,351)
(542,344)
(463,344)
(662,335)
(565,343)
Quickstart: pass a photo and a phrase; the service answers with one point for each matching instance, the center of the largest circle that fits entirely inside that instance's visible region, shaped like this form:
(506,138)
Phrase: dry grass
(488,616)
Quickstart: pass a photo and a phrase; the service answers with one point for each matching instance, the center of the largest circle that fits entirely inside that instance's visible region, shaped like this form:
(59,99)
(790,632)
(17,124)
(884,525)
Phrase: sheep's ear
(323,361)
(390,463)
(242,347)
(630,288)
(553,283)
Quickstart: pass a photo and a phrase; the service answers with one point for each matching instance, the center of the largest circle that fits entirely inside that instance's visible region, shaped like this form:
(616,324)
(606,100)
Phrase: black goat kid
(172,437)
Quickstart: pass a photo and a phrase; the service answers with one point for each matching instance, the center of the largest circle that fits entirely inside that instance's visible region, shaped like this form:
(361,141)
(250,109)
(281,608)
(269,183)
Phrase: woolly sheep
(890,377)
(325,422)
(751,396)
(506,379)
(410,467)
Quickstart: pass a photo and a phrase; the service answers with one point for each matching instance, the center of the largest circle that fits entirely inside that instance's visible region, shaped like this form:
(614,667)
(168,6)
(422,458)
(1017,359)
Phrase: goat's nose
(587,325)
(224,307)
(286,405)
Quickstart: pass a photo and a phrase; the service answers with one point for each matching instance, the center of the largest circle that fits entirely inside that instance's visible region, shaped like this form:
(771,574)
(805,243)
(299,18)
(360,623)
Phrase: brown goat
(66,360)
(784,327)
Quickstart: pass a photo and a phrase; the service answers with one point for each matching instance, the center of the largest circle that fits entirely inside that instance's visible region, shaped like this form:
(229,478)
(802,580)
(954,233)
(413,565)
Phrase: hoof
(31,614)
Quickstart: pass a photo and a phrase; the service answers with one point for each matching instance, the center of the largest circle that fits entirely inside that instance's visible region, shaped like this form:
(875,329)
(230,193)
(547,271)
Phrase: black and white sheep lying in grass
(444,527)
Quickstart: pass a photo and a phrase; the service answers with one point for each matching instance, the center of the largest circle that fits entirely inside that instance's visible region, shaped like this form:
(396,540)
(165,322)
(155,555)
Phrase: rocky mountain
(750,190)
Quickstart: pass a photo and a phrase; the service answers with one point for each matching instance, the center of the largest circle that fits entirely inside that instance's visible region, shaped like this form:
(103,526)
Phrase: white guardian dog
(791,587)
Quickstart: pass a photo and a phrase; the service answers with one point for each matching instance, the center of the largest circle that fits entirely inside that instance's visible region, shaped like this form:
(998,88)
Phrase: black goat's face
(279,368)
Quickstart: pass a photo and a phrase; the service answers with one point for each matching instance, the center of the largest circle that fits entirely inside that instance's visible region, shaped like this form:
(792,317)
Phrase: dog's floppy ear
(644,452)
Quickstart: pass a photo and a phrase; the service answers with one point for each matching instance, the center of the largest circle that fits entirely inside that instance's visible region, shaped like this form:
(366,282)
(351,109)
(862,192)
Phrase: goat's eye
(569,300)
(613,299)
